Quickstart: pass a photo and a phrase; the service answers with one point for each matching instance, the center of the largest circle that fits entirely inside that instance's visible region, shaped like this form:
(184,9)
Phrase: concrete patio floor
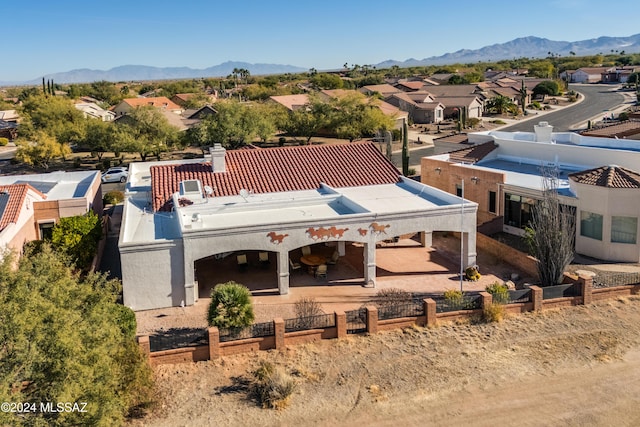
(404,265)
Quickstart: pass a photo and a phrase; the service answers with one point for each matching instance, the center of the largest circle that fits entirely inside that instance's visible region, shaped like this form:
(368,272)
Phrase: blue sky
(43,37)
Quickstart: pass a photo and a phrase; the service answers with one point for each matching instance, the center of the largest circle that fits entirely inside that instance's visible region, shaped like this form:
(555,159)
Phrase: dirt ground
(572,367)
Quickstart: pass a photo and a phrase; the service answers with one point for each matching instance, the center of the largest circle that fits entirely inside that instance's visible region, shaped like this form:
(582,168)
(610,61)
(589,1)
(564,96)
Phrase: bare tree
(551,232)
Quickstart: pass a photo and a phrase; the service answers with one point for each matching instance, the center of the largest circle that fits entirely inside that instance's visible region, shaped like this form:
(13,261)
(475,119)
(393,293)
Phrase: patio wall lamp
(438,170)
(475,179)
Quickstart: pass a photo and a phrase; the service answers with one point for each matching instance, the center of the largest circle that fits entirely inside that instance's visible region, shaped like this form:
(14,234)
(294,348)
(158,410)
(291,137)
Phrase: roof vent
(218,154)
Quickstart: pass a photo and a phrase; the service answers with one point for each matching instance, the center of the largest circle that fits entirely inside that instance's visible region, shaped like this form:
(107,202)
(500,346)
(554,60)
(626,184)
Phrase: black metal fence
(256,330)
(611,279)
(320,321)
(396,311)
(356,321)
(178,338)
(559,291)
(466,302)
(519,296)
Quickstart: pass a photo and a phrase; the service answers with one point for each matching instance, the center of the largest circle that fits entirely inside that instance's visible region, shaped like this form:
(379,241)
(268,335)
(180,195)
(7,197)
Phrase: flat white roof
(59,185)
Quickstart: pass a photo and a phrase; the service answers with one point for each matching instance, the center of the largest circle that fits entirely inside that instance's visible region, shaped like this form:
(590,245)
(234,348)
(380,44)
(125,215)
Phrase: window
(492,202)
(46,230)
(624,229)
(458,190)
(591,225)
(517,210)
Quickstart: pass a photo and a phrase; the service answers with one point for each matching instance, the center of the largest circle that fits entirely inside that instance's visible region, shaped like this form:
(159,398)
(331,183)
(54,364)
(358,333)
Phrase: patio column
(283,272)
(190,285)
(469,253)
(370,262)
(426,239)
(341,250)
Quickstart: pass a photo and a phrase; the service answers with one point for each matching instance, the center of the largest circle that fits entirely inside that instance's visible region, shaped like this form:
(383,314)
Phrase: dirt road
(573,367)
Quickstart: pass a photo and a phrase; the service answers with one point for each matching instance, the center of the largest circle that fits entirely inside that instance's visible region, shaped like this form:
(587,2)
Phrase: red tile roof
(608,176)
(472,154)
(618,130)
(158,102)
(17,194)
(278,170)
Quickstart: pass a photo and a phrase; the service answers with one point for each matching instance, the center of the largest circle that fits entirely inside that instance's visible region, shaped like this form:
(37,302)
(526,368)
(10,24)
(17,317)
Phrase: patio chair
(264,259)
(243,265)
(321,271)
(295,265)
(334,258)
(306,250)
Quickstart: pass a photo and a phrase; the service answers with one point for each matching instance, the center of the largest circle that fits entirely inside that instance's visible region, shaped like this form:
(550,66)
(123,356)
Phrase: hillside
(575,366)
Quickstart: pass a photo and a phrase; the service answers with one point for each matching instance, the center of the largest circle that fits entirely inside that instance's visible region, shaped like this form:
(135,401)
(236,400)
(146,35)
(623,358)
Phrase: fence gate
(356,321)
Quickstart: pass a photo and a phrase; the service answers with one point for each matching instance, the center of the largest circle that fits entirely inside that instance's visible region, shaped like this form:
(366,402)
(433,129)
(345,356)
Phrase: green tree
(147,132)
(53,115)
(547,87)
(230,306)
(233,126)
(326,81)
(64,338)
(41,150)
(355,116)
(500,104)
(98,136)
(78,237)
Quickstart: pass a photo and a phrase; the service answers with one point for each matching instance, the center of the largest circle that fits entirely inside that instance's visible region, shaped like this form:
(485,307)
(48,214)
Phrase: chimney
(543,132)
(217,158)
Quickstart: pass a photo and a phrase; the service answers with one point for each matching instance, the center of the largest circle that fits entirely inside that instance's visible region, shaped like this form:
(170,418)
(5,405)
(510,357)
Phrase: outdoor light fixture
(475,179)
(438,170)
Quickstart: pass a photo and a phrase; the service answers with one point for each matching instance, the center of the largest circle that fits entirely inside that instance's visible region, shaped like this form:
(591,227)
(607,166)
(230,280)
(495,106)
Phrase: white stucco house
(597,177)
(275,200)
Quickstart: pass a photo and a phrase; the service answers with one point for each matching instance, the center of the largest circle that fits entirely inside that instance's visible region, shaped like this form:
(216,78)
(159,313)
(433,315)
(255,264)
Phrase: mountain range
(524,47)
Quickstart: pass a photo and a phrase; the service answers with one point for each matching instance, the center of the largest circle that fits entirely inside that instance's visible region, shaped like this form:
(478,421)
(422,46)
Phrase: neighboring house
(384,90)
(420,106)
(30,205)
(589,74)
(183,217)
(182,99)
(93,110)
(628,129)
(161,102)
(8,130)
(291,102)
(503,173)
(295,102)
(410,86)
(10,116)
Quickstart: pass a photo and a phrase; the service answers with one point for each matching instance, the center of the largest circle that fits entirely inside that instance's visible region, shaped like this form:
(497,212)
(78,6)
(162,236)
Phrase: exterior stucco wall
(607,202)
(154,275)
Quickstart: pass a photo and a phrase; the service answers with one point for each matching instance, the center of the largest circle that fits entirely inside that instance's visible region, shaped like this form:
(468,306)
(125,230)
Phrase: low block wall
(280,340)
(507,254)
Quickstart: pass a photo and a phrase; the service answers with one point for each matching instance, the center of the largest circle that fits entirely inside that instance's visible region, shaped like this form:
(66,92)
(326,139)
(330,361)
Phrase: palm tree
(499,104)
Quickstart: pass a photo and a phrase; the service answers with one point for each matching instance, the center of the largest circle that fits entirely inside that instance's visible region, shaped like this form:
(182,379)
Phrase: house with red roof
(30,205)
(596,177)
(181,218)
(160,102)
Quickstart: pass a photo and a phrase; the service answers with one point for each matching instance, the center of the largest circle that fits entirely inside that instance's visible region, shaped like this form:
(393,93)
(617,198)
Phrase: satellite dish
(208,190)
(244,194)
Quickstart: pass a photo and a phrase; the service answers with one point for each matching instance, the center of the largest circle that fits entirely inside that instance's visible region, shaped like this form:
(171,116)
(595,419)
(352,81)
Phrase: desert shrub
(498,122)
(392,300)
(493,313)
(106,164)
(454,298)
(622,116)
(500,292)
(473,122)
(472,273)
(272,386)
(535,105)
(230,306)
(307,307)
(3,142)
(113,197)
